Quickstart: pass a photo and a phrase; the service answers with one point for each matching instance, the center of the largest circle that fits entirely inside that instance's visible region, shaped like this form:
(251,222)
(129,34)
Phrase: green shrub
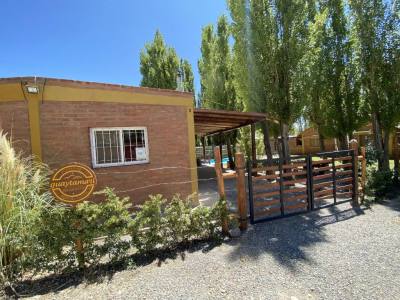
(178,221)
(118,224)
(379,183)
(54,249)
(220,212)
(203,224)
(102,228)
(22,200)
(62,227)
(371,154)
(163,225)
(148,226)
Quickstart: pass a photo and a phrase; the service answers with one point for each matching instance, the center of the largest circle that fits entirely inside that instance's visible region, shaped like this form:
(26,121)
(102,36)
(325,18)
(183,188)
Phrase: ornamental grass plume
(23,195)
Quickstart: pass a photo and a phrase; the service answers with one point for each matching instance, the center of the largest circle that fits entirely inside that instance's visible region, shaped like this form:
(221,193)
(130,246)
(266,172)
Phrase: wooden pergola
(209,122)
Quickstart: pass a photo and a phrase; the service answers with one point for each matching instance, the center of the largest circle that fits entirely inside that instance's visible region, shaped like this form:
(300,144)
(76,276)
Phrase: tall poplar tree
(215,67)
(252,35)
(205,63)
(343,101)
(186,75)
(376,31)
(161,67)
(333,86)
(313,81)
(272,37)
(159,64)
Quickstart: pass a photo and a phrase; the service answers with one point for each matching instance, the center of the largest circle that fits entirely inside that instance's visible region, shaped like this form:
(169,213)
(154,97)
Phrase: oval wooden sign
(73,183)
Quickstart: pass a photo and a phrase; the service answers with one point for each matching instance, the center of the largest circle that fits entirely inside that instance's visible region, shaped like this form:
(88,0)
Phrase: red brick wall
(14,121)
(65,138)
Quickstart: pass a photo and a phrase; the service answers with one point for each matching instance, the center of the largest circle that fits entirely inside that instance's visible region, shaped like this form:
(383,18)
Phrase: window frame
(92,133)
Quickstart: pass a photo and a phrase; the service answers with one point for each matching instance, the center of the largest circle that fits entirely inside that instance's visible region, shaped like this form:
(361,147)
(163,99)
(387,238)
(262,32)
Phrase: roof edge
(95,85)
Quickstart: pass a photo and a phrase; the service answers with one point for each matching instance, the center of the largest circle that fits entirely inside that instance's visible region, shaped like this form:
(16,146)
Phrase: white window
(119,146)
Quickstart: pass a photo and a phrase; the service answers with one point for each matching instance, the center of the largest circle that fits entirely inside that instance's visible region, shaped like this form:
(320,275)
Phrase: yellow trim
(62,93)
(192,150)
(11,92)
(34,124)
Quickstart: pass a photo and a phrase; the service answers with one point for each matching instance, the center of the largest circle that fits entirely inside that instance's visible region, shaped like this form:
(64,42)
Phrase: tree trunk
(396,166)
(285,143)
(321,141)
(267,142)
(343,143)
(230,154)
(376,128)
(203,143)
(385,156)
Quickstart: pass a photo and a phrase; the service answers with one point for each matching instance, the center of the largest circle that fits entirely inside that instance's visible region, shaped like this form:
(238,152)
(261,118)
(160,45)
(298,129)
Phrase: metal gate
(309,182)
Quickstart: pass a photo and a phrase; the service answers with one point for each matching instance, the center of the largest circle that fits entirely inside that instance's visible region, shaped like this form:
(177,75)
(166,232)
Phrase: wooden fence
(309,182)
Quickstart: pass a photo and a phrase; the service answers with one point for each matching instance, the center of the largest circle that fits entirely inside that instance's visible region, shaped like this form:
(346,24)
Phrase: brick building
(139,141)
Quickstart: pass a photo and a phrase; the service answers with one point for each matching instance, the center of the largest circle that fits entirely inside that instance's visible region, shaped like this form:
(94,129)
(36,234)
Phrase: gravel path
(336,253)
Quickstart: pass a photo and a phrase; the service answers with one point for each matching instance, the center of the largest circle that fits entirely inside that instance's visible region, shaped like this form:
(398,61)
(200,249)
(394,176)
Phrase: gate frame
(282,215)
(353,152)
(334,154)
(310,191)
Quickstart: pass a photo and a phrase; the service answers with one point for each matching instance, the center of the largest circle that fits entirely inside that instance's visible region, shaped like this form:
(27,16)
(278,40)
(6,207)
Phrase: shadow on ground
(286,238)
(58,282)
(393,199)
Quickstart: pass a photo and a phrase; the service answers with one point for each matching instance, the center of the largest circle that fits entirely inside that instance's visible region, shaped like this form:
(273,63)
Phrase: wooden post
(220,150)
(363,172)
(218,171)
(220,183)
(354,147)
(241,189)
(203,142)
(253,144)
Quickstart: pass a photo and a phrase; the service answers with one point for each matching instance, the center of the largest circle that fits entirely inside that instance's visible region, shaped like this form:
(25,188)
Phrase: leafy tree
(215,66)
(376,32)
(250,61)
(271,38)
(344,113)
(161,67)
(332,85)
(205,63)
(313,81)
(186,74)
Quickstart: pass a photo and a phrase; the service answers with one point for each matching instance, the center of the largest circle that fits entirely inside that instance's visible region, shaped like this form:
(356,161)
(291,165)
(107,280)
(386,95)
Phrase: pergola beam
(210,122)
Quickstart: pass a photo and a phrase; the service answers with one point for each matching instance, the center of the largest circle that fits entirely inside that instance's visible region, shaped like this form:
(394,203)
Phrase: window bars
(119,146)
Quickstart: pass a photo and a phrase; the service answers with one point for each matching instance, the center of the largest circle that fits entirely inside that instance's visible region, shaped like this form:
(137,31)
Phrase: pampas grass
(23,195)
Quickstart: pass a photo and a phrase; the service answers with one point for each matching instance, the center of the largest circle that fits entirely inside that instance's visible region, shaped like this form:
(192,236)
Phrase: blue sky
(97,40)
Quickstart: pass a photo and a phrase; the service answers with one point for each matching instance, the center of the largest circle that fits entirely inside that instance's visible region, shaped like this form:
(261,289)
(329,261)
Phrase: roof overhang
(210,122)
